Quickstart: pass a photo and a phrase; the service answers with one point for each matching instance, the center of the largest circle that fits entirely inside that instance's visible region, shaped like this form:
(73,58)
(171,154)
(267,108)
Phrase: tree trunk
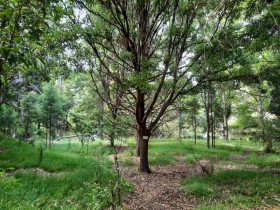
(142,132)
(214,133)
(144,161)
(194,125)
(225,128)
(112,141)
(50,132)
(269,147)
(180,126)
(46,140)
(261,117)
(208,128)
(137,143)
(225,117)
(26,131)
(205,98)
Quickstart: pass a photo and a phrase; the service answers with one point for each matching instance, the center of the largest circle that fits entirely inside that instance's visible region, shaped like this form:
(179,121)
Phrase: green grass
(272,160)
(162,160)
(67,178)
(192,158)
(128,162)
(235,189)
(162,151)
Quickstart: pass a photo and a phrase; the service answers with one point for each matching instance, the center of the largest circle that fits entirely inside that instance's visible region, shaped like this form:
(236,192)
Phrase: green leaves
(6,12)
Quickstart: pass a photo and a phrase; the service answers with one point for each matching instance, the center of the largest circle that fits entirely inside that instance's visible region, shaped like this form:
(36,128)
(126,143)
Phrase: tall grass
(235,189)
(66,178)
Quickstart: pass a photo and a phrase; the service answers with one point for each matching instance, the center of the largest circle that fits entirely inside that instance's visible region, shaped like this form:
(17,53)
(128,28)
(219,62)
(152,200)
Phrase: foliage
(8,119)
(23,25)
(29,112)
(51,109)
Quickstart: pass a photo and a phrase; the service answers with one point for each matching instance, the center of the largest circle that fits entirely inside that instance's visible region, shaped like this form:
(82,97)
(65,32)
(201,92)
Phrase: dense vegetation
(66,177)
(110,70)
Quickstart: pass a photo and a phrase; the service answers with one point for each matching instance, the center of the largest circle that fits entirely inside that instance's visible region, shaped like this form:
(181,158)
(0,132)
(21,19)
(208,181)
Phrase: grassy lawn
(66,178)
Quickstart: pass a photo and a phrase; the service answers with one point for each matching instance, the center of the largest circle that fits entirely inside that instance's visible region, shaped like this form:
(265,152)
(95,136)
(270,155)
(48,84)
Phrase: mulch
(161,189)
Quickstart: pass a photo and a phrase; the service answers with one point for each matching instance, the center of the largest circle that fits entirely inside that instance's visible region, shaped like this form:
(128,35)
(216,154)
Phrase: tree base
(146,171)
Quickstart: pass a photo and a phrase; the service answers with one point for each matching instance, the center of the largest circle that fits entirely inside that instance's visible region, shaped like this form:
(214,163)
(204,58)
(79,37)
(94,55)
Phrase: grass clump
(193,158)
(272,160)
(128,162)
(162,160)
(235,189)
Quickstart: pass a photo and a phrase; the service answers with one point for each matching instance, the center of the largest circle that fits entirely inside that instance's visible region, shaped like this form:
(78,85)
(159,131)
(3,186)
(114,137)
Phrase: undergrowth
(66,178)
(235,189)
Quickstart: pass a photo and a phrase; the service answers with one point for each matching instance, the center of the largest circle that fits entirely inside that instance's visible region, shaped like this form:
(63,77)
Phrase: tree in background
(8,120)
(193,107)
(29,112)
(50,110)
(226,91)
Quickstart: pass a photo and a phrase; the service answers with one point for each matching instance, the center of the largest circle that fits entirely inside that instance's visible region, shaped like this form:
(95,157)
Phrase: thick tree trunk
(142,132)
(144,161)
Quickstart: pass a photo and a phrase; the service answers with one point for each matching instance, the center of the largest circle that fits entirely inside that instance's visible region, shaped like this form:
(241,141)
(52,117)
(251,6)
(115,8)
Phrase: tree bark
(194,125)
(142,132)
(261,117)
(137,142)
(225,117)
(180,124)
(144,161)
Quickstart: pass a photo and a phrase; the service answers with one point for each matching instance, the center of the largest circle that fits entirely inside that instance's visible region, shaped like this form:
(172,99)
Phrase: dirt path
(159,190)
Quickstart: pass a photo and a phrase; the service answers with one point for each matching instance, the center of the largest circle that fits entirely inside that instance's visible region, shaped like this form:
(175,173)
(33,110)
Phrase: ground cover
(70,176)
(66,178)
(243,176)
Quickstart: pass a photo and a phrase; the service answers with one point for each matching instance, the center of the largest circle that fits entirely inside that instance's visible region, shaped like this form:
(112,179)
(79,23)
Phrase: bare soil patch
(40,172)
(161,189)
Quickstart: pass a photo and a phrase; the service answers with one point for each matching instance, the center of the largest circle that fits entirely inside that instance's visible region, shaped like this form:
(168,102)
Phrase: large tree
(155,50)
